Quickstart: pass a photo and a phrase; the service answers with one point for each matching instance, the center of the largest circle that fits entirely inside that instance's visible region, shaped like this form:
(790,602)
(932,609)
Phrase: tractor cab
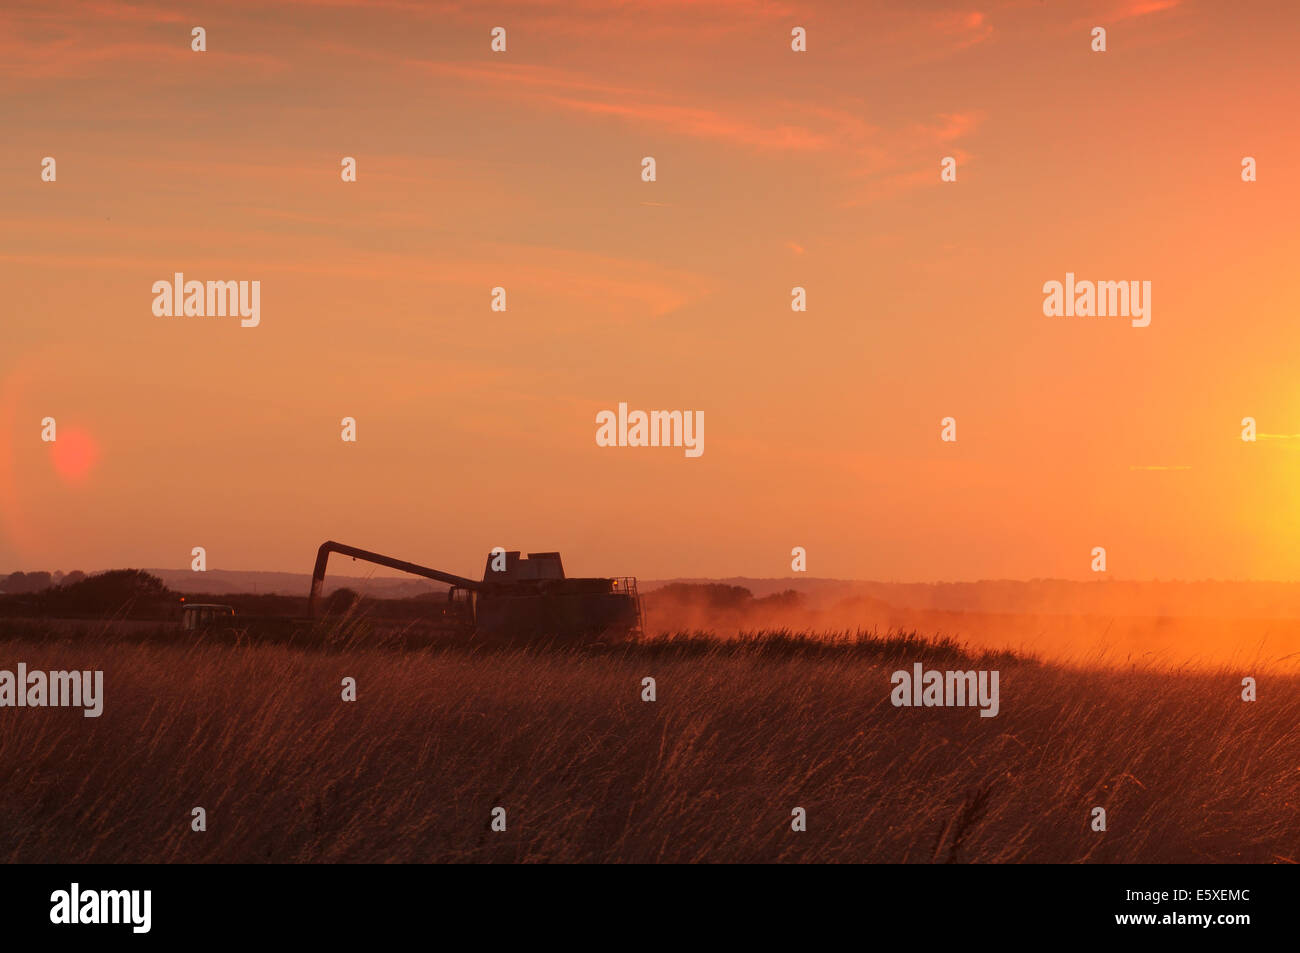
(200,616)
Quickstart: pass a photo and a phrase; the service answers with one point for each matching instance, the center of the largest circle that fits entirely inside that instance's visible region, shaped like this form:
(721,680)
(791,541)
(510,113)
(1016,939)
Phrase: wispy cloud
(81,39)
(890,158)
(1141,8)
(967,28)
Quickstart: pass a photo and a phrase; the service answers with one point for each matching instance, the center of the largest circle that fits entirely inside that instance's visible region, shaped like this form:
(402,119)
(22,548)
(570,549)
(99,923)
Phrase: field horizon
(1201,624)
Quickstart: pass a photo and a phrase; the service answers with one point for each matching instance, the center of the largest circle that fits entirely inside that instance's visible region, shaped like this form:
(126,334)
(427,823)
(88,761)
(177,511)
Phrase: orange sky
(775,169)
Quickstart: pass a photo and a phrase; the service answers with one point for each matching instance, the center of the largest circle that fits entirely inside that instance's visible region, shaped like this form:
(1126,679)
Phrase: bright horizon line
(841,579)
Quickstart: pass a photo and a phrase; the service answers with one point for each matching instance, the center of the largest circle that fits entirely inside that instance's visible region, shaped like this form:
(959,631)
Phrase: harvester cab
(508,567)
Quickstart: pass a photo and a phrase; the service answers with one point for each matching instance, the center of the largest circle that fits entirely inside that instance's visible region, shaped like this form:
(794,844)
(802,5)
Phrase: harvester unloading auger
(519,597)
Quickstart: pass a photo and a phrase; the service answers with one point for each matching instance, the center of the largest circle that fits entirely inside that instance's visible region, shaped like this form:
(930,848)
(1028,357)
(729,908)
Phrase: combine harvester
(519,597)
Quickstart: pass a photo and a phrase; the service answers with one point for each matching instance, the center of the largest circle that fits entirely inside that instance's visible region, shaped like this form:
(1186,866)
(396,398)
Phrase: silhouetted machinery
(523,597)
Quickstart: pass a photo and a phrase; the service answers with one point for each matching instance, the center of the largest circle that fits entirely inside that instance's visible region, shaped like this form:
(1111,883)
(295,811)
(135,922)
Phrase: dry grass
(740,734)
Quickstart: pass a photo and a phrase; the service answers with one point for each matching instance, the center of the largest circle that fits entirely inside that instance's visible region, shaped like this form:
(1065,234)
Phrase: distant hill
(292,583)
(1155,598)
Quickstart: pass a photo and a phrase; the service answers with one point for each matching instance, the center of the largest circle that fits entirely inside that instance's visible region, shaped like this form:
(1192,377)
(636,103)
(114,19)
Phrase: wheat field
(741,732)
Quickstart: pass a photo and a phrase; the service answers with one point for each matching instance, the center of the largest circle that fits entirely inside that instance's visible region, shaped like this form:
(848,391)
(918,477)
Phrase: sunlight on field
(1204,636)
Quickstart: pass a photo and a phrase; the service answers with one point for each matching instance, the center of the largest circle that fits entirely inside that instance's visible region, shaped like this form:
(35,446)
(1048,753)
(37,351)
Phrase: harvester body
(524,597)
(531,597)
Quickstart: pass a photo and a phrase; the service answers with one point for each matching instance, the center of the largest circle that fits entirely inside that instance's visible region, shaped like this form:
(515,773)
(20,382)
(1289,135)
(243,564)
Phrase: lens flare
(74,454)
